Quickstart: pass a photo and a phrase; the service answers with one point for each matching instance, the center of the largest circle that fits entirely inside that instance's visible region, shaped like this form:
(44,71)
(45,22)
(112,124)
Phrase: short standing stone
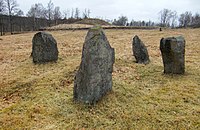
(140,51)
(44,48)
(94,77)
(173,54)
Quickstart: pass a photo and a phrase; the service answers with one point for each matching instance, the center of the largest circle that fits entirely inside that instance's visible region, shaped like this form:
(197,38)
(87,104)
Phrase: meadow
(40,97)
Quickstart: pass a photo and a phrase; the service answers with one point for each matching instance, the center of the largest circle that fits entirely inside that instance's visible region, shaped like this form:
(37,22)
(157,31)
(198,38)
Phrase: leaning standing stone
(140,51)
(44,48)
(94,77)
(173,54)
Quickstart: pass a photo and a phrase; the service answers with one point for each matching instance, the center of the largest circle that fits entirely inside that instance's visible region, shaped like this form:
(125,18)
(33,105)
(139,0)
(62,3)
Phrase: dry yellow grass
(40,96)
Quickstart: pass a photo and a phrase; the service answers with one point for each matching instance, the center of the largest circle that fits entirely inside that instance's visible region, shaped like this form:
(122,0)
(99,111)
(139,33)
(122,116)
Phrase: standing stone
(140,51)
(94,77)
(173,54)
(44,48)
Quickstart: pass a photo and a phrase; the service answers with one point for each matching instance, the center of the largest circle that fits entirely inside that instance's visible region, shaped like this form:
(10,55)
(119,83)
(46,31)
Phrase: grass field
(40,96)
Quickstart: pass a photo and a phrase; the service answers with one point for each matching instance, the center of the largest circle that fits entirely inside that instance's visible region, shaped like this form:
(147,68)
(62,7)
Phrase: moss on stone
(180,38)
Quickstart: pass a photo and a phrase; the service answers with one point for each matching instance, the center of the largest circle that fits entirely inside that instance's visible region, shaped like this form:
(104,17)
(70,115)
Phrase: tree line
(167,18)
(170,18)
(12,18)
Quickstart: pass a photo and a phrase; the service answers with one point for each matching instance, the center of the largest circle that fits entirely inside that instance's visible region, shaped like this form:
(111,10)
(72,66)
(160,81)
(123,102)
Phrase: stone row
(94,76)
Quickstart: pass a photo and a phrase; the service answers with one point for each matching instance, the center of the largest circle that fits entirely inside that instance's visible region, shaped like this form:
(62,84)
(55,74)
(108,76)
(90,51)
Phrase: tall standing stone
(94,77)
(44,48)
(173,54)
(140,51)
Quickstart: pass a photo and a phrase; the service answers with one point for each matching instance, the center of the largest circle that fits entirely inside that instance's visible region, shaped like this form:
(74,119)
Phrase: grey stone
(173,54)
(94,77)
(140,51)
(44,48)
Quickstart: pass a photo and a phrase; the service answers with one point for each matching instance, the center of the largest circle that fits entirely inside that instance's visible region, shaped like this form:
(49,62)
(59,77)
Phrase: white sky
(110,9)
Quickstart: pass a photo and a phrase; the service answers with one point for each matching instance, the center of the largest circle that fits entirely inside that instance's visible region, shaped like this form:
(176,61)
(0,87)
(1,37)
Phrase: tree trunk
(1,29)
(1,26)
(55,22)
(10,23)
(49,23)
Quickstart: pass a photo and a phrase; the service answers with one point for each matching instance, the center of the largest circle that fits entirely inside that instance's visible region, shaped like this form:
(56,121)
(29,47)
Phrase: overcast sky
(110,9)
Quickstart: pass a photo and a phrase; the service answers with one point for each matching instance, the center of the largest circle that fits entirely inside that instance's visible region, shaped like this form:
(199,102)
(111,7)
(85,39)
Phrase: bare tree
(86,13)
(11,7)
(2,6)
(174,18)
(185,19)
(66,14)
(181,20)
(165,16)
(19,13)
(77,13)
(57,14)
(72,13)
(196,20)
(188,18)
(50,10)
(36,11)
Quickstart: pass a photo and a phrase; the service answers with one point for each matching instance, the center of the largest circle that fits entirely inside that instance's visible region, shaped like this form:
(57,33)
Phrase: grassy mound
(92,21)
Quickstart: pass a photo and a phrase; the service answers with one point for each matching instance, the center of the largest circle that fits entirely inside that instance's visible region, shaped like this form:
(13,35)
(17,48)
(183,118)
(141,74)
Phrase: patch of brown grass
(40,96)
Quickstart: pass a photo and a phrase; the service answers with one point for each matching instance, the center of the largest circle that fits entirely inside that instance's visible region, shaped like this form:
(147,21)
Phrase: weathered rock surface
(44,48)
(94,77)
(173,54)
(140,51)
